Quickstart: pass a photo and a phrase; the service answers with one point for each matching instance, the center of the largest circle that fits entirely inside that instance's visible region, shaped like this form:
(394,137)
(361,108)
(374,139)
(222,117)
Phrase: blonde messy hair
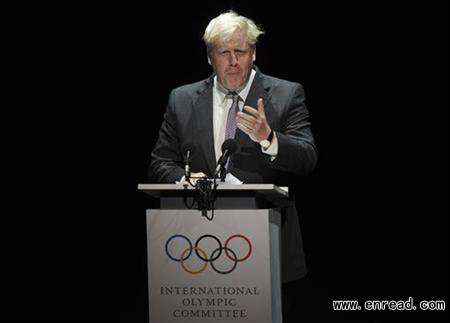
(225,26)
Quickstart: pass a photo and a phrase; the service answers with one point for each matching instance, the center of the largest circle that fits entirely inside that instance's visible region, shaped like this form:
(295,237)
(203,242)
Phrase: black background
(86,96)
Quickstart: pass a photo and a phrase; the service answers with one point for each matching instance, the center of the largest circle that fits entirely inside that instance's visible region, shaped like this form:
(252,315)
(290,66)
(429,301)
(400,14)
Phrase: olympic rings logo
(202,255)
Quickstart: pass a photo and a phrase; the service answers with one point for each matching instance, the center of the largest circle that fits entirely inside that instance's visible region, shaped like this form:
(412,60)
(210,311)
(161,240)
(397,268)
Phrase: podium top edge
(264,188)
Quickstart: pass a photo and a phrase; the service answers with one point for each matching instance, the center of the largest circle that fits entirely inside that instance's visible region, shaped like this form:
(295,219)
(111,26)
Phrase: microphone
(188,150)
(229,147)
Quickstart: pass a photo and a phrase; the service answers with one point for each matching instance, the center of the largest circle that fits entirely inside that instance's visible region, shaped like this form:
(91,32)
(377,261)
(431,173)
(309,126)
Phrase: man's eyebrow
(232,49)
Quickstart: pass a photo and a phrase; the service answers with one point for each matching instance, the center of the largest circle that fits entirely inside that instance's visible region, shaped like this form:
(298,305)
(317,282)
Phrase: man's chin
(233,86)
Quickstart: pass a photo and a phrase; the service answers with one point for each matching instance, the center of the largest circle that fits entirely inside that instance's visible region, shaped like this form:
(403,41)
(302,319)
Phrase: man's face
(232,62)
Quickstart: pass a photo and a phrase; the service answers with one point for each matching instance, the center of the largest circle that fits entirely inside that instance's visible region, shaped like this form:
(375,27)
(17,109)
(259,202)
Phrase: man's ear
(209,60)
(254,54)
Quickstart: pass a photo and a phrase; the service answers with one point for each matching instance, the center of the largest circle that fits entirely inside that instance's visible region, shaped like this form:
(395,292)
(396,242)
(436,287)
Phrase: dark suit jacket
(189,118)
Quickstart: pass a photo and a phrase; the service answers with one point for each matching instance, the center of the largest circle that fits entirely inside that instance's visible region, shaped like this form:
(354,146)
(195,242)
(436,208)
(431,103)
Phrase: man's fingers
(252,111)
(261,105)
(244,128)
(259,112)
(245,116)
(248,124)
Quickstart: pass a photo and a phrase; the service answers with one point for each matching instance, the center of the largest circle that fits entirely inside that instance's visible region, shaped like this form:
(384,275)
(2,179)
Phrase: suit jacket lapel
(203,112)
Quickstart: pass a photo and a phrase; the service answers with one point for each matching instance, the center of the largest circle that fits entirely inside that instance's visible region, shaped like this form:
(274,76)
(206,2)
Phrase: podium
(224,267)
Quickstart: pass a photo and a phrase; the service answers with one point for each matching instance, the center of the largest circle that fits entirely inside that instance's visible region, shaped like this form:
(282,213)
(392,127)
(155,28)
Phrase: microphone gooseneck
(188,150)
(229,147)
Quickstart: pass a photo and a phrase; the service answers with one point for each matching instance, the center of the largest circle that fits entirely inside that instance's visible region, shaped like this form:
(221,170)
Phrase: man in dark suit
(265,115)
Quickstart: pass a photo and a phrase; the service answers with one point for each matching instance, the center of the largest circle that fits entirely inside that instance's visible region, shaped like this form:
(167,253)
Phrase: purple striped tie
(230,130)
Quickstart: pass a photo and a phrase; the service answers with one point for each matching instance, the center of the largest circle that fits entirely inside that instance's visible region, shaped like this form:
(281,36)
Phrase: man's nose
(233,59)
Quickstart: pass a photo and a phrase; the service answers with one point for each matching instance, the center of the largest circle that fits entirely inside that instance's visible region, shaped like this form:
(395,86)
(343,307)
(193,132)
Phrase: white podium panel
(224,270)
